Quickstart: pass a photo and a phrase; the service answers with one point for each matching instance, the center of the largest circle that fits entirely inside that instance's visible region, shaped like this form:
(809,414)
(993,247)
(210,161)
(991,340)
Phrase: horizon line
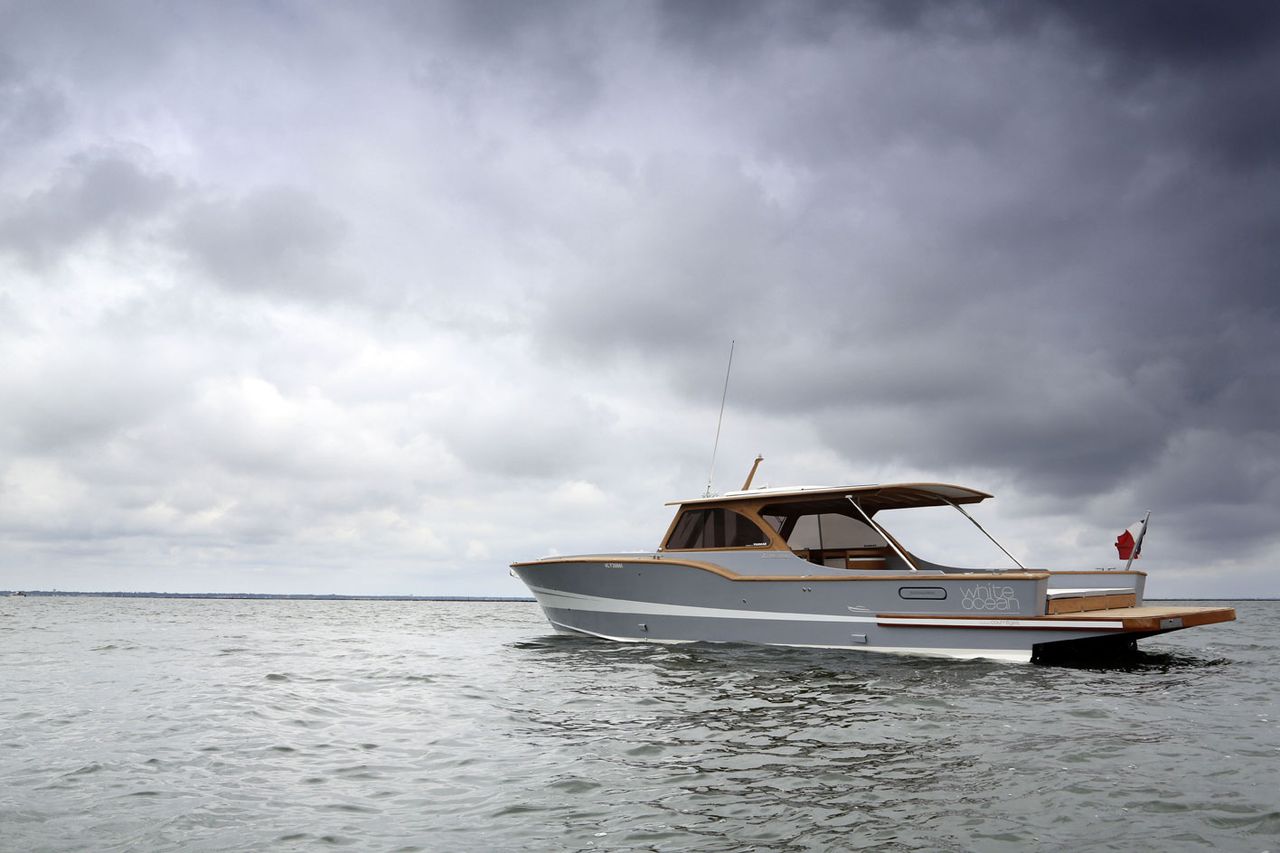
(333,596)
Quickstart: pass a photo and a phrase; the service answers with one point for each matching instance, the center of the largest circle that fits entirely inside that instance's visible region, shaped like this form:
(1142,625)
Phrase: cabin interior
(826,532)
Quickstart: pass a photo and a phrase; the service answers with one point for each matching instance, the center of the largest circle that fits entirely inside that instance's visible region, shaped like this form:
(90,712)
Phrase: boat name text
(988,596)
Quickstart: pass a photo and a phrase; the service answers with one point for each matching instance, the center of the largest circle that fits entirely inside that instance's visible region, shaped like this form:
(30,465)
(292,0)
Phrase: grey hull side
(639,602)
(943,642)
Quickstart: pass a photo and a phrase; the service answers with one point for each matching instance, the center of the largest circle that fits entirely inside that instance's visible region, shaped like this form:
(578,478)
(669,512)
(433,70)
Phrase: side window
(830,530)
(715,528)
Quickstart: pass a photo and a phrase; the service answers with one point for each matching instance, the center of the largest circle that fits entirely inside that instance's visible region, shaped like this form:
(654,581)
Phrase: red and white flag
(1129,543)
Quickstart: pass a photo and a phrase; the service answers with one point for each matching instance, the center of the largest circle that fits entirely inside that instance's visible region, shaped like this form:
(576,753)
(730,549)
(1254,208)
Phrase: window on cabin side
(820,530)
(715,528)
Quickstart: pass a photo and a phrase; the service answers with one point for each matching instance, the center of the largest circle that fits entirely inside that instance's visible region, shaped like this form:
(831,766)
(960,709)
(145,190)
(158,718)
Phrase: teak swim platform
(812,567)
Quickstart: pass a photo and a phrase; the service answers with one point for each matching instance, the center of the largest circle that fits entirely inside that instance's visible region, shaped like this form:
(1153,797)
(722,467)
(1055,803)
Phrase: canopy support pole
(878,529)
(960,510)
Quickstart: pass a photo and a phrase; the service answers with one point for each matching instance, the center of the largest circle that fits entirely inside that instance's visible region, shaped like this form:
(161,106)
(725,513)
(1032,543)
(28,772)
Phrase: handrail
(878,529)
(958,509)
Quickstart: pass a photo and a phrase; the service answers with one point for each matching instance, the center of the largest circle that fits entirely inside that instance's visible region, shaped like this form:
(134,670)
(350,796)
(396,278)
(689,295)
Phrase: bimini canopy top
(871,498)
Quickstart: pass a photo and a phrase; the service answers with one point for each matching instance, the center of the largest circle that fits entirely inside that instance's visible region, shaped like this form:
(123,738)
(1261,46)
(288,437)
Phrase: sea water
(142,724)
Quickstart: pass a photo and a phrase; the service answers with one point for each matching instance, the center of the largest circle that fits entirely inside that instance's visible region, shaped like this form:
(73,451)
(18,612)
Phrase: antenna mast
(719,420)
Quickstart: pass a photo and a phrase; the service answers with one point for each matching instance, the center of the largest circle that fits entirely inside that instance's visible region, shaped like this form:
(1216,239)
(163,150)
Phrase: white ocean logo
(987,596)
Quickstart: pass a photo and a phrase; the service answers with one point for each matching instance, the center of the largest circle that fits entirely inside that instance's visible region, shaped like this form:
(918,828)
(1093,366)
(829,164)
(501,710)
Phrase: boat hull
(1000,616)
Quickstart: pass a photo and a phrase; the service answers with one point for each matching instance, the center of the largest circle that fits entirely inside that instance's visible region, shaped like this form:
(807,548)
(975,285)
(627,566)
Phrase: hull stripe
(575,601)
(1037,624)
(560,600)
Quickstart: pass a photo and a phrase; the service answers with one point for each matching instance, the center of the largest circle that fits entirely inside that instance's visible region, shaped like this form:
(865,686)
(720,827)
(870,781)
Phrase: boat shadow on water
(1139,661)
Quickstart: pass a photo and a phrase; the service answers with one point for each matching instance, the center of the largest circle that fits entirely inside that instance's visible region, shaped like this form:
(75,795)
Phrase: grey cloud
(277,240)
(94,193)
(508,433)
(1027,245)
(107,42)
(86,394)
(30,112)
(478,53)
(709,242)
(1217,493)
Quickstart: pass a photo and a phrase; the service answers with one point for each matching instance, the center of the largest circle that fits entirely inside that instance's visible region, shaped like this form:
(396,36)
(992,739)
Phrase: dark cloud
(1047,276)
(1186,33)
(1210,63)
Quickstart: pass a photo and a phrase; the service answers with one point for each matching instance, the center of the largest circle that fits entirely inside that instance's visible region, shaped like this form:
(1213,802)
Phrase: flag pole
(1137,546)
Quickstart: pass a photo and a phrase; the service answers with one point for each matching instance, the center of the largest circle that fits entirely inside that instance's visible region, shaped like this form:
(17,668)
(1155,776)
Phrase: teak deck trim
(1090,603)
(1132,618)
(917,577)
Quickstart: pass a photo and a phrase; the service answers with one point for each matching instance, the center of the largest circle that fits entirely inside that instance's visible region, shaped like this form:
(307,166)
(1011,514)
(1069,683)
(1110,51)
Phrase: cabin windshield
(807,527)
(828,533)
(715,528)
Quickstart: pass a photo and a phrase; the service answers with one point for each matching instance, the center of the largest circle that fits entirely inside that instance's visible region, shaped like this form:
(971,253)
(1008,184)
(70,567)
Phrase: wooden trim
(734,576)
(996,616)
(671,528)
(1145,619)
(1190,616)
(1089,603)
(1065,605)
(1047,626)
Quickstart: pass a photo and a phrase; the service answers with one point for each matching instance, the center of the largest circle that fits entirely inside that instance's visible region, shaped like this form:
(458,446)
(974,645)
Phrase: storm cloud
(379,298)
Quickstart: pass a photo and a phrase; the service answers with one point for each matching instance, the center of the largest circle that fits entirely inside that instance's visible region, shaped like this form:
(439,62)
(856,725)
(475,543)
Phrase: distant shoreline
(255,596)
(1256,598)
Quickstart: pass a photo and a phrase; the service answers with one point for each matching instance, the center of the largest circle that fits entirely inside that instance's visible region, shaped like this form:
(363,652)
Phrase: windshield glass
(808,528)
(715,528)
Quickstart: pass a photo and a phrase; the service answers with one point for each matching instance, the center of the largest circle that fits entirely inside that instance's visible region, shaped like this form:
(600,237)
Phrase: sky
(379,297)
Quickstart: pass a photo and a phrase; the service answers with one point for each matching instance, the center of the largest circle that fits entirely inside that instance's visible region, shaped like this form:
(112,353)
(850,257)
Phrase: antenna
(711,473)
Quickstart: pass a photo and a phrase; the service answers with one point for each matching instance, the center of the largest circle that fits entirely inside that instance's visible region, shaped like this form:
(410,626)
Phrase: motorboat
(815,567)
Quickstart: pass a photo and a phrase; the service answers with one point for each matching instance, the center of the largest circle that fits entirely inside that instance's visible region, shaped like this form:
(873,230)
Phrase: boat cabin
(833,527)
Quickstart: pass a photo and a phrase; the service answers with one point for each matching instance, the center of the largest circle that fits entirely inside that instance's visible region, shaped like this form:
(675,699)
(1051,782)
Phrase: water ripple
(145,724)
